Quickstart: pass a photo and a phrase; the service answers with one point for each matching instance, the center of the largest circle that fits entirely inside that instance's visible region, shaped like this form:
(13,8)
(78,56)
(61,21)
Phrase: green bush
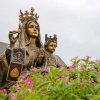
(81,81)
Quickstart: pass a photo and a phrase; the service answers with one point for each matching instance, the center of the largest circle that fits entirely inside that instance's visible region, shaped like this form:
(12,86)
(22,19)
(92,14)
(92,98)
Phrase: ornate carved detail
(50,38)
(28,15)
(18,55)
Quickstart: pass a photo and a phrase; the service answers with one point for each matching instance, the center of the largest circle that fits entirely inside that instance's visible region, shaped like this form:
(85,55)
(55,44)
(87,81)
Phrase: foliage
(77,82)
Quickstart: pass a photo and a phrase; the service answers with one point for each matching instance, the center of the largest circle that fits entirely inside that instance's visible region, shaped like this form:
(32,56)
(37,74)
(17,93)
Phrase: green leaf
(42,84)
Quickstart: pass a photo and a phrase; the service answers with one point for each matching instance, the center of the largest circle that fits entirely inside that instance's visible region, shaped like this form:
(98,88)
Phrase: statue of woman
(29,38)
(32,42)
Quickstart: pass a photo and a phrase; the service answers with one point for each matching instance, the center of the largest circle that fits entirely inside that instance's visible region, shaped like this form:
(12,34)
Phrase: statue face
(51,47)
(32,30)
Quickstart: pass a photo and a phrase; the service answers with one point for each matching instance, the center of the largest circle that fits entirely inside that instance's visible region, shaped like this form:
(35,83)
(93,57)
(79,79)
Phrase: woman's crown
(28,15)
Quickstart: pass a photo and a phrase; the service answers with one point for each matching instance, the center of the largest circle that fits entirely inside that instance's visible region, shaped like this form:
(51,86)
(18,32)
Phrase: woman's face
(32,30)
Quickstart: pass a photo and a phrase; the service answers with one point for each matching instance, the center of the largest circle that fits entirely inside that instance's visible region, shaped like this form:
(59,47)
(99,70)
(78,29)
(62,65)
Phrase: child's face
(51,47)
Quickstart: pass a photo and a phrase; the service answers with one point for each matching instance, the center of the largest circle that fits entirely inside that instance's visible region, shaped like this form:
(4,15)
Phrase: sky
(76,23)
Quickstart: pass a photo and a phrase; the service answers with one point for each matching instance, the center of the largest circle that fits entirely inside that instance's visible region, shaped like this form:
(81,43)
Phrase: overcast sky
(76,23)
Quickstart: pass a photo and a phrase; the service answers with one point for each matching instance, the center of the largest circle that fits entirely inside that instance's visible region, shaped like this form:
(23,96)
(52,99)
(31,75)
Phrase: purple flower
(29,82)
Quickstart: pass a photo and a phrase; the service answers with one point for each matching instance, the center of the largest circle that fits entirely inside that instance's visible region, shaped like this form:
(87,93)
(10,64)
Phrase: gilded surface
(14,72)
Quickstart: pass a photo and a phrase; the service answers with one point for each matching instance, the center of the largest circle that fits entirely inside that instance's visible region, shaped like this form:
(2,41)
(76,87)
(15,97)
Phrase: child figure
(50,47)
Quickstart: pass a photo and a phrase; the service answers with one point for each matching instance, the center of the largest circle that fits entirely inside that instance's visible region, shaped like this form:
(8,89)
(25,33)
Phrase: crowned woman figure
(28,37)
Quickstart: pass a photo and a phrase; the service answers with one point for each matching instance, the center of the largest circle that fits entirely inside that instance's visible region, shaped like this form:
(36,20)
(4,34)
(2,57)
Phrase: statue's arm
(60,62)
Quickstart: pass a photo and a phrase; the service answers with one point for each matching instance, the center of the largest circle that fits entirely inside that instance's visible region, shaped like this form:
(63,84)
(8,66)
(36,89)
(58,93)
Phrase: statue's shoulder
(60,61)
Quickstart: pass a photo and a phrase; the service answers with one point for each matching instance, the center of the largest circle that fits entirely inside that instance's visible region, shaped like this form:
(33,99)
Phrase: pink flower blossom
(24,76)
(82,66)
(74,59)
(73,66)
(67,82)
(3,90)
(88,57)
(59,78)
(12,96)
(33,68)
(45,69)
(17,87)
(29,82)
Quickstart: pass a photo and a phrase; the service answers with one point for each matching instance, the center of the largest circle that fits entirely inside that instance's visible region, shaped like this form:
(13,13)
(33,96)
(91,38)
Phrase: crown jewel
(28,15)
(50,38)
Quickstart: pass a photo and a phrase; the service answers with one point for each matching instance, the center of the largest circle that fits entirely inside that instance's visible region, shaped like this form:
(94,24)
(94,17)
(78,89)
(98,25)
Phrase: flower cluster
(80,81)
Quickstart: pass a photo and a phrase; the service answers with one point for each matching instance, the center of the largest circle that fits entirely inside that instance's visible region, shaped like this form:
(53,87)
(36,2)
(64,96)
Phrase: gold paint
(14,72)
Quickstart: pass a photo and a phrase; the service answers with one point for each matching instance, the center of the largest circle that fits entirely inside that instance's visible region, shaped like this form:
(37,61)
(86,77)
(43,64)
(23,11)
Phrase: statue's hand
(13,38)
(41,53)
(12,33)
